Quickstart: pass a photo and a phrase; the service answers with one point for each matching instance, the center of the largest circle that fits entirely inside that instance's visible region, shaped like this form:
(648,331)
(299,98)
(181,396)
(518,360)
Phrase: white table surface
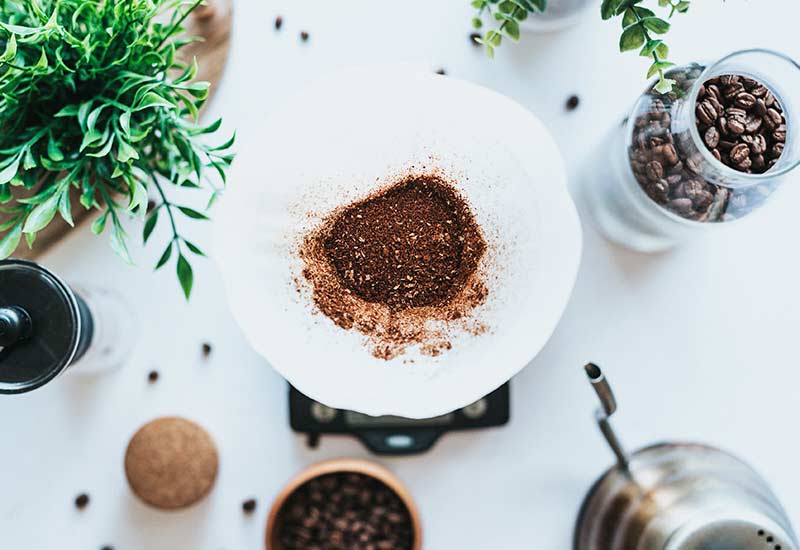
(699,343)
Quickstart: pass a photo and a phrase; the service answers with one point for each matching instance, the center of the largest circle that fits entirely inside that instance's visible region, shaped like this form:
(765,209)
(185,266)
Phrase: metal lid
(746,532)
(40,326)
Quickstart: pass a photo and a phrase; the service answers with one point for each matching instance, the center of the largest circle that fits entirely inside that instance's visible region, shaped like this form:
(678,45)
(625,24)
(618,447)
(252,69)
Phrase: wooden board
(213,22)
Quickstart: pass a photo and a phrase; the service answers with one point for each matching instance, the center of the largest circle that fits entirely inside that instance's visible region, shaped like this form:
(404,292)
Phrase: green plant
(94,102)
(639,24)
(508,13)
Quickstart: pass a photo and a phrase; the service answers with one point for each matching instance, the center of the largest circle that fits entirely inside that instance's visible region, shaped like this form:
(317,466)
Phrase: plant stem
(168,205)
(179,22)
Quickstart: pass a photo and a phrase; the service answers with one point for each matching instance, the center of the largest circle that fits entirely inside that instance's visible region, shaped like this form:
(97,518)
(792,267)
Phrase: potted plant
(640,27)
(96,105)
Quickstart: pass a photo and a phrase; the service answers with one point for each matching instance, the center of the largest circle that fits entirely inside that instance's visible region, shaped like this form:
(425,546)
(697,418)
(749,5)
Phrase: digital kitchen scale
(394,435)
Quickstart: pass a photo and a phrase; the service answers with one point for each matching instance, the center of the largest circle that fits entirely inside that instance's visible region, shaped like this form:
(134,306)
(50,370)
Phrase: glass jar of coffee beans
(709,152)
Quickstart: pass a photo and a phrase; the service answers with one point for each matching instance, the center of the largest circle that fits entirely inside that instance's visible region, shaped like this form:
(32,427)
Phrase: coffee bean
(107,547)
(654,170)
(441,71)
(760,107)
(779,134)
(777,150)
(736,126)
(249,506)
(739,153)
(278,23)
(81,501)
(475,38)
(304,36)
(729,79)
(745,100)
(681,206)
(711,137)
(706,112)
(757,143)
(572,102)
(752,123)
(152,376)
(206,349)
(774,117)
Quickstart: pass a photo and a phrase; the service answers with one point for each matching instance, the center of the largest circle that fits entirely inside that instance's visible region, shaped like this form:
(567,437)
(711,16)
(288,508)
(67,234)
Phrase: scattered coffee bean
(441,71)
(278,23)
(572,102)
(474,38)
(152,377)
(206,349)
(249,506)
(345,511)
(81,501)
(107,548)
(304,36)
(740,122)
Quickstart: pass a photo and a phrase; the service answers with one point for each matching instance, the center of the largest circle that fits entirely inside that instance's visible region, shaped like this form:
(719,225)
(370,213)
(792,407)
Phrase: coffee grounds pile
(344,511)
(389,263)
(414,245)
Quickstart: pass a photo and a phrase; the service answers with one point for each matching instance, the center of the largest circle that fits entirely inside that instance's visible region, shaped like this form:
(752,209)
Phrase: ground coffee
(390,263)
(413,245)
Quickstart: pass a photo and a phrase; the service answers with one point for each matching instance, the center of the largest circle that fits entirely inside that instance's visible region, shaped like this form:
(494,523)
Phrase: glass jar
(657,181)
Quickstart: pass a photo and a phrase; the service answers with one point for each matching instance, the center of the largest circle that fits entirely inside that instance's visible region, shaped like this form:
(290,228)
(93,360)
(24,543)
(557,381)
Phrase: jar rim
(746,179)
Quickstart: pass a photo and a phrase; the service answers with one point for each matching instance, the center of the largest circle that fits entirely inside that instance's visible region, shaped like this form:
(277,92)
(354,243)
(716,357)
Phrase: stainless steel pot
(677,496)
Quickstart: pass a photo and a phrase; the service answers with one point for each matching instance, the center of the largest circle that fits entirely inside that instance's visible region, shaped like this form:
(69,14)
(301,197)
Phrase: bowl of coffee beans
(709,152)
(344,504)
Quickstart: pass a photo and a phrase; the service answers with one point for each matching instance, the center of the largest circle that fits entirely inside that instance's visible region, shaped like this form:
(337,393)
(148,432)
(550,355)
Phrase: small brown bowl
(343,465)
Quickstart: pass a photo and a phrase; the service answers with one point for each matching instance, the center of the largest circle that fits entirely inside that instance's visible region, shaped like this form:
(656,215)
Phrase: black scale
(394,435)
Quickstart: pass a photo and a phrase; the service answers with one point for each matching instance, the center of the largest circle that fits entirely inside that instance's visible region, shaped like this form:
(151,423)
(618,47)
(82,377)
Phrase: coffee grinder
(47,326)
(677,496)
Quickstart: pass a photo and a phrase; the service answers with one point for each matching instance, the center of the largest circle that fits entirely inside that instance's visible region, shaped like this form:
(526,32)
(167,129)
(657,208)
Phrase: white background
(700,343)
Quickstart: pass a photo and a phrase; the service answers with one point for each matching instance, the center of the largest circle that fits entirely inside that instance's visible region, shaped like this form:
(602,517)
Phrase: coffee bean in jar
(712,150)
(344,510)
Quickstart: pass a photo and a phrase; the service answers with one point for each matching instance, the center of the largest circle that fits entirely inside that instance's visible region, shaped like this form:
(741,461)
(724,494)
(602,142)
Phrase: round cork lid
(171,463)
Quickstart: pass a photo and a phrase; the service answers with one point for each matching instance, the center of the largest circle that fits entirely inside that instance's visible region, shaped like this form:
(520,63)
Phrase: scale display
(394,435)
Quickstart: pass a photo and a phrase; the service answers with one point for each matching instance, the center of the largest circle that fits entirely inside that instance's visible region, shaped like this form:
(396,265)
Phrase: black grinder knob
(15,325)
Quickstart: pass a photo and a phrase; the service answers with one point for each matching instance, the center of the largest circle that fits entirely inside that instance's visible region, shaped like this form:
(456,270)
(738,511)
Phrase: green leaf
(8,173)
(149,226)
(99,224)
(152,100)
(138,195)
(512,30)
(632,38)
(193,248)
(65,208)
(185,275)
(656,25)
(42,214)
(194,214)
(664,86)
(20,29)
(164,257)
(42,63)
(125,152)
(11,49)
(609,8)
(658,67)
(477,23)
(105,150)
(68,111)
(5,193)
(118,242)
(9,243)
(53,150)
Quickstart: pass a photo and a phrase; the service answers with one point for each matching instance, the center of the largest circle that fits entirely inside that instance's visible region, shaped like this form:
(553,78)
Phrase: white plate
(336,143)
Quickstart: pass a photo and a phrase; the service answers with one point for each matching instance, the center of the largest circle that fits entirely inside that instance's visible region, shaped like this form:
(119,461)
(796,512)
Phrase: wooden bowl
(343,465)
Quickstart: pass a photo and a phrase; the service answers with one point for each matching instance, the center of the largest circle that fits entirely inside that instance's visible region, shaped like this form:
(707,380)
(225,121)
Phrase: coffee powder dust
(401,266)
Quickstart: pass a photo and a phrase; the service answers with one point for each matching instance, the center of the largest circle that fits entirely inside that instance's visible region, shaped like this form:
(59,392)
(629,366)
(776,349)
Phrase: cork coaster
(171,463)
